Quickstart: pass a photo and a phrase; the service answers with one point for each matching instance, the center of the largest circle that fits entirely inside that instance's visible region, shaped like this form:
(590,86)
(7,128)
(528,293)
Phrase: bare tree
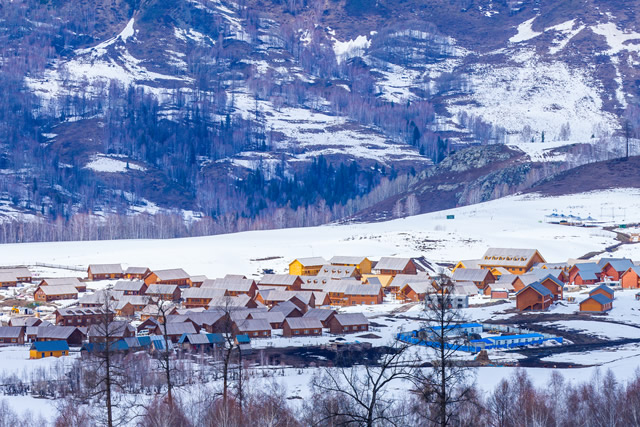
(358,395)
(166,361)
(445,385)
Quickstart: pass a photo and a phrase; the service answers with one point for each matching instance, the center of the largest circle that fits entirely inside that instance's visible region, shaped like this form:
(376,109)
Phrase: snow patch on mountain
(525,32)
(111,164)
(350,48)
(618,40)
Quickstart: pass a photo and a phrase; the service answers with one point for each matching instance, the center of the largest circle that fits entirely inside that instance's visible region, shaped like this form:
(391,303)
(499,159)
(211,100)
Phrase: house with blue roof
(596,303)
(630,279)
(603,290)
(587,273)
(534,297)
(555,286)
(614,268)
(41,349)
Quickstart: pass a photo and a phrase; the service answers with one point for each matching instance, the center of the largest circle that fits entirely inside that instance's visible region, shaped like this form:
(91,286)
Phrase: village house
(12,335)
(285,281)
(322,314)
(104,271)
(587,273)
(614,268)
(147,326)
(114,331)
(41,350)
(497,290)
(534,297)
(164,292)
(467,263)
(96,299)
(603,290)
(55,293)
(364,294)
(398,281)
(301,327)
(197,281)
(596,303)
(152,311)
(22,274)
(348,323)
(254,328)
(321,298)
(274,317)
(389,266)
(362,264)
(64,281)
(130,287)
(631,278)
(201,342)
(306,266)
(271,297)
(339,272)
(71,334)
(288,309)
(136,273)
(201,297)
(554,285)
(175,330)
(173,276)
(80,316)
(315,283)
(465,288)
(25,321)
(241,301)
(481,278)
(415,291)
(233,286)
(510,281)
(516,261)
(8,279)
(211,321)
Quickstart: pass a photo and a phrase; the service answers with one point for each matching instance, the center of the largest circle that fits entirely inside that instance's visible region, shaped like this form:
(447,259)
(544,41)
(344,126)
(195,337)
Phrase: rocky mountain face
(253,114)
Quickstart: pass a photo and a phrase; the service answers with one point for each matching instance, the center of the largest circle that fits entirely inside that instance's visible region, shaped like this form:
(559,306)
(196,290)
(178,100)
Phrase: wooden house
(321,298)
(301,327)
(596,303)
(241,301)
(499,289)
(306,266)
(164,292)
(25,321)
(465,288)
(587,273)
(211,321)
(399,280)
(339,272)
(362,264)
(136,273)
(271,297)
(534,297)
(364,294)
(288,309)
(71,334)
(80,316)
(8,279)
(152,311)
(510,281)
(516,261)
(415,291)
(390,266)
(197,281)
(233,286)
(130,287)
(114,331)
(173,276)
(22,274)
(55,293)
(322,314)
(614,268)
(104,271)
(603,290)
(468,263)
(480,277)
(274,317)
(630,279)
(285,282)
(96,299)
(554,285)
(64,281)
(201,297)
(12,335)
(147,326)
(175,330)
(40,350)
(254,328)
(348,323)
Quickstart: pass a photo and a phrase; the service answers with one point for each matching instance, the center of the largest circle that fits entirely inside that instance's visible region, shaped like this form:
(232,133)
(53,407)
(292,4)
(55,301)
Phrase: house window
(296,332)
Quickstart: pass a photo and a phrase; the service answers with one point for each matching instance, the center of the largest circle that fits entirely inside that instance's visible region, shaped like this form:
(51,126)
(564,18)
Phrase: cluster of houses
(537,284)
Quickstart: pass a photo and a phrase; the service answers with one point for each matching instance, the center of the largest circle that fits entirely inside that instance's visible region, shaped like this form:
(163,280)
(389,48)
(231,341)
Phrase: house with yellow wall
(467,263)
(42,349)
(306,266)
(515,261)
(363,264)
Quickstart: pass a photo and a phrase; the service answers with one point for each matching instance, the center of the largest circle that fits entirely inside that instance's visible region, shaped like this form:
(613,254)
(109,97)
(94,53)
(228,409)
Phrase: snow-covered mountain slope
(515,221)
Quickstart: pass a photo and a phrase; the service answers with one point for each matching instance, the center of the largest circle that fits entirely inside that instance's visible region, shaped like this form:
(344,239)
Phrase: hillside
(198,117)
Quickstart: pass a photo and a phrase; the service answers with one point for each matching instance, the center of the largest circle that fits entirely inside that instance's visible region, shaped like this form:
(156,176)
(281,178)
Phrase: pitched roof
(538,287)
(57,281)
(304,323)
(329,270)
(635,269)
(604,288)
(554,279)
(17,271)
(618,264)
(502,286)
(135,299)
(319,313)
(194,339)
(105,268)
(129,285)
(8,277)
(55,332)
(253,325)
(470,275)
(598,298)
(80,311)
(364,289)
(471,263)
(465,288)
(511,257)
(391,263)
(157,289)
(58,290)
(198,279)
(339,259)
(178,328)
(285,307)
(11,331)
(278,279)
(351,319)
(171,274)
(116,328)
(310,261)
(588,270)
(44,346)
(402,279)
(224,301)
(203,293)
(273,316)
(136,270)
(231,284)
